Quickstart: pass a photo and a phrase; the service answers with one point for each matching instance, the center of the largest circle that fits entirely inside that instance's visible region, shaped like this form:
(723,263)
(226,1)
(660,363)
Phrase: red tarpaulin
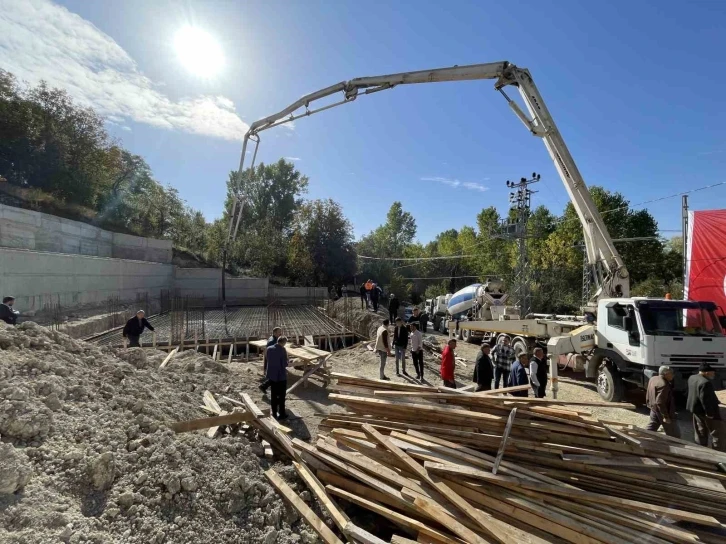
(706,259)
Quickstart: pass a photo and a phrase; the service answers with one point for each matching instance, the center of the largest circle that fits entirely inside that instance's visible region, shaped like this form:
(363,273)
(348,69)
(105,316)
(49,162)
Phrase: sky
(635,87)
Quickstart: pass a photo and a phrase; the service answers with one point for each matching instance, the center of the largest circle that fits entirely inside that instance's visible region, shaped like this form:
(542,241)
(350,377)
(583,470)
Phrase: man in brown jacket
(662,403)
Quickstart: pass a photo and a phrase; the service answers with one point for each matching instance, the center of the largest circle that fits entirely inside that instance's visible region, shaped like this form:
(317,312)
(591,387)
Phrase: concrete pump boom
(609,272)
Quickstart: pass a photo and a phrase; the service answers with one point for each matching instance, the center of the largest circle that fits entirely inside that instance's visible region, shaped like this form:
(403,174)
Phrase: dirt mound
(87,457)
(363,322)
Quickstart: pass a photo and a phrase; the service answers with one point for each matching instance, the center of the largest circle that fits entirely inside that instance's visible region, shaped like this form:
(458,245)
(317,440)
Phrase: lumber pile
(448,467)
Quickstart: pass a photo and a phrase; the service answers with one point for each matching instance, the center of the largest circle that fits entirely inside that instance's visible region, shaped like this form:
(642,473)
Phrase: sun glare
(198,51)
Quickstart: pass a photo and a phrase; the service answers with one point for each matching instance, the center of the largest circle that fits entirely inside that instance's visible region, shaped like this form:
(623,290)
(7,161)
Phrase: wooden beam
(339,517)
(207,422)
(505,437)
(303,509)
(357,534)
(169,357)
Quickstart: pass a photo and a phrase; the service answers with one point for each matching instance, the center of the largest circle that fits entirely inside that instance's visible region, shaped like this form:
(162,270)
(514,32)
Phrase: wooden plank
(251,406)
(618,461)
(433,510)
(489,525)
(396,517)
(505,438)
(622,436)
(339,517)
(303,509)
(357,534)
(214,352)
(207,422)
(169,357)
(576,494)
(503,390)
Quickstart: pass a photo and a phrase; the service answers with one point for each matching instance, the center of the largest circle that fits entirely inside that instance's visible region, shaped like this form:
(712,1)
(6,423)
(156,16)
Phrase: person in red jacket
(447,364)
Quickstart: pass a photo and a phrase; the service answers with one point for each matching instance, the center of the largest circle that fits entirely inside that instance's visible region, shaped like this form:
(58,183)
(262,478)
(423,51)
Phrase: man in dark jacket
(483,369)
(393,306)
(375,295)
(363,297)
(703,404)
(400,342)
(276,374)
(538,373)
(7,312)
(660,398)
(419,317)
(134,328)
(518,375)
(271,341)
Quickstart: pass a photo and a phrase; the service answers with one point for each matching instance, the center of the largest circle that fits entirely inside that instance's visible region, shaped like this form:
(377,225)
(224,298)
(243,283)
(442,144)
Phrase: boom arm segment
(610,274)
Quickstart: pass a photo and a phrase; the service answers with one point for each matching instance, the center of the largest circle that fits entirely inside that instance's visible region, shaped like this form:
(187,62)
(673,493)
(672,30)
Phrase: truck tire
(610,385)
(519,346)
(443,326)
(466,336)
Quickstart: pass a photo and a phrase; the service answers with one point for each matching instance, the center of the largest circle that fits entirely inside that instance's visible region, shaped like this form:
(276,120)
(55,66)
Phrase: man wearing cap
(7,312)
(703,404)
(271,341)
(135,327)
(393,305)
(662,403)
(276,374)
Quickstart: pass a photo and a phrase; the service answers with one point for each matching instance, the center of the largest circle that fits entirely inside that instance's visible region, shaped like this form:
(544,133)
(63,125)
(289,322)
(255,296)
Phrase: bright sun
(198,51)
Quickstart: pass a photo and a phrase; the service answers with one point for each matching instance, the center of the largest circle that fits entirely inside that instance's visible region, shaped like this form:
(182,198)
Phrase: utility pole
(521,200)
(684,212)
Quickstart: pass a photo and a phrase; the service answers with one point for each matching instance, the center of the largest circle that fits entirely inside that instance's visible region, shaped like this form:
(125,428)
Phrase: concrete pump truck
(627,338)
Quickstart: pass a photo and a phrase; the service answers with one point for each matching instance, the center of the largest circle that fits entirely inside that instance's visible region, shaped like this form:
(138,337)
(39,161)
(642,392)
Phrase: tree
(321,250)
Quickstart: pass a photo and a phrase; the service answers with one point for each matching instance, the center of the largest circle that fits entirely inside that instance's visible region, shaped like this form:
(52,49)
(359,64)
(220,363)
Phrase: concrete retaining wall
(28,229)
(38,278)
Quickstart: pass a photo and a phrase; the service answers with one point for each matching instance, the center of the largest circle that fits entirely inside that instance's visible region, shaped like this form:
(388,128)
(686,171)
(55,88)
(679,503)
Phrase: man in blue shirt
(276,375)
(271,341)
(518,375)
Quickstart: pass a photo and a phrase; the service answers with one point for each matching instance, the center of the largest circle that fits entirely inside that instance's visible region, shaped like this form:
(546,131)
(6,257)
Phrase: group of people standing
(501,365)
(370,294)
(403,334)
(702,403)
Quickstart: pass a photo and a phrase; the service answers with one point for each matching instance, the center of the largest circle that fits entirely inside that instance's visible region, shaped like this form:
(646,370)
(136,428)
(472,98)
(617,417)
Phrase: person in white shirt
(538,373)
(417,350)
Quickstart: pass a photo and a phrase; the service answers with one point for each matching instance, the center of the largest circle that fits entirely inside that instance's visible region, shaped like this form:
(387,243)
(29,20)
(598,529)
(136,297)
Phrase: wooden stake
(505,437)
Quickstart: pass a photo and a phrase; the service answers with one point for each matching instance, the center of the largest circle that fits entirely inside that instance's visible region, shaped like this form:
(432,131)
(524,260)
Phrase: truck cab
(635,336)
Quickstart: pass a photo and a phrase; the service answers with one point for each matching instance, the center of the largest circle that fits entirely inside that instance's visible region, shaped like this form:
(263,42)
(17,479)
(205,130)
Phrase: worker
(7,312)
(393,305)
(417,350)
(703,404)
(469,316)
(383,347)
(448,364)
(419,317)
(400,343)
(271,341)
(276,375)
(538,373)
(660,398)
(518,375)
(483,369)
(134,328)
(503,356)
(369,288)
(375,294)
(363,297)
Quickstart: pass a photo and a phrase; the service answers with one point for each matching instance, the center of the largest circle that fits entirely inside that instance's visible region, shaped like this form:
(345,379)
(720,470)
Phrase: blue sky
(635,87)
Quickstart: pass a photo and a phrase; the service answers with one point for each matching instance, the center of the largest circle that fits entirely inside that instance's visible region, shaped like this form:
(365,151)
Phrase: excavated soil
(87,455)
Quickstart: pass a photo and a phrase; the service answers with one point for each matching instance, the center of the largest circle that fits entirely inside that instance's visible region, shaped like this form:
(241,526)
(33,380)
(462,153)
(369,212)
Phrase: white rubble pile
(86,455)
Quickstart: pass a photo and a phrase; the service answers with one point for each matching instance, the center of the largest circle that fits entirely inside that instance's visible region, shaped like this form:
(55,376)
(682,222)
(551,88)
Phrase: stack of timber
(447,467)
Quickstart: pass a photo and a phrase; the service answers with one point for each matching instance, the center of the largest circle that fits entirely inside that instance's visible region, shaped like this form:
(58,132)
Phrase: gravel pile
(86,455)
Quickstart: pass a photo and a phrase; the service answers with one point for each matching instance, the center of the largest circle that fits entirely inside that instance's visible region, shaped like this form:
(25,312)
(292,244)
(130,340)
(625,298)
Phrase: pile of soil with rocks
(86,454)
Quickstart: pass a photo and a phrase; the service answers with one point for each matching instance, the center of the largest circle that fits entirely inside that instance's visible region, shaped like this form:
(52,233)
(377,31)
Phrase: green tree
(321,250)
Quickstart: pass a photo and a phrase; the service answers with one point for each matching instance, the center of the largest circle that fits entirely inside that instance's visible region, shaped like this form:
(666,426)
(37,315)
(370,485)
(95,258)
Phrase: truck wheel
(466,335)
(610,385)
(459,335)
(519,346)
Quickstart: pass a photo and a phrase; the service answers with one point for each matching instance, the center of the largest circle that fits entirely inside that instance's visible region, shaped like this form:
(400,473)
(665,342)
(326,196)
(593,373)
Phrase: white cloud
(475,186)
(293,159)
(455,183)
(40,40)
